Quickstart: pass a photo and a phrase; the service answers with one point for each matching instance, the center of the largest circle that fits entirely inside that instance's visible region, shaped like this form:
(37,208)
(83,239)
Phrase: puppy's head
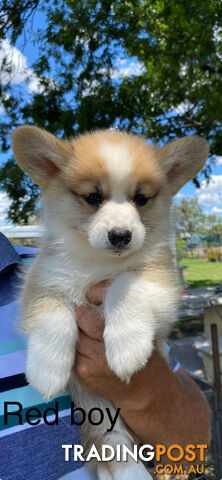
(111,188)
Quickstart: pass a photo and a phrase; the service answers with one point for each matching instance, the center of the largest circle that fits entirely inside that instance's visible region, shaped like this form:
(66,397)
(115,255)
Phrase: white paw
(130,326)
(51,351)
(127,353)
(48,380)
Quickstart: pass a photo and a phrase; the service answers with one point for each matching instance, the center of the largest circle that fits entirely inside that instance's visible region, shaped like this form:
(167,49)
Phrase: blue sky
(209,196)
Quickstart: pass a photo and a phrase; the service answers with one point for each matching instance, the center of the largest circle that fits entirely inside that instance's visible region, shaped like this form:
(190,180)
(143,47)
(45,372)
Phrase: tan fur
(37,300)
(37,308)
(88,168)
(172,157)
(160,270)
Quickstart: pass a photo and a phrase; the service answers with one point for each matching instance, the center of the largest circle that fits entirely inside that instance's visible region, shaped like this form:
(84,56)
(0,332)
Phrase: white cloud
(4,205)
(208,198)
(125,67)
(210,195)
(179,196)
(34,85)
(216,210)
(219,161)
(2,108)
(15,70)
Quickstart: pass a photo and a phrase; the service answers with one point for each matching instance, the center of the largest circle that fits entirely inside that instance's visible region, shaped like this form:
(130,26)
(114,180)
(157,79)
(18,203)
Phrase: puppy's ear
(39,153)
(182,160)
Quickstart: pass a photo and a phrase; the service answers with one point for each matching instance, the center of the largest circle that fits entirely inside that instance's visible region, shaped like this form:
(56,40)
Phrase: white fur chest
(71,273)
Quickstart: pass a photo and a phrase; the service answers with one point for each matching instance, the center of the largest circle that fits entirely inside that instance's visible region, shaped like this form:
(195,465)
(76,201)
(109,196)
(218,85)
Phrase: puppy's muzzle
(119,238)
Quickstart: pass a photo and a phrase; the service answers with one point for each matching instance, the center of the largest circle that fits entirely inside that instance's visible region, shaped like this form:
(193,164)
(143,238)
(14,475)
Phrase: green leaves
(21,190)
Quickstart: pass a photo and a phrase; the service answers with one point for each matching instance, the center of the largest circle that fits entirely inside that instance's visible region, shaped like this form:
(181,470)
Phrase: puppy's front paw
(51,351)
(127,352)
(48,376)
(48,380)
(130,326)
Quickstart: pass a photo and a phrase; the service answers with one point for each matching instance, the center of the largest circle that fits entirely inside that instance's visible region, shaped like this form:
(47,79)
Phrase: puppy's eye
(140,200)
(94,199)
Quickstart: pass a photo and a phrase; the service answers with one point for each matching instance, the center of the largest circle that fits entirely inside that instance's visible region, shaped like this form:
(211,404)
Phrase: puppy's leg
(122,470)
(51,347)
(135,312)
(100,435)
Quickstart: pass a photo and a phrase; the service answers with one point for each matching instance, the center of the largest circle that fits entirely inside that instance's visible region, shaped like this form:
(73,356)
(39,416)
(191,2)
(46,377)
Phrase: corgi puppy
(106,198)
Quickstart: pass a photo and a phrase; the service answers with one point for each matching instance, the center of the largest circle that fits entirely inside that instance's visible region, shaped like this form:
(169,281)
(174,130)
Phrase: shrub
(214,254)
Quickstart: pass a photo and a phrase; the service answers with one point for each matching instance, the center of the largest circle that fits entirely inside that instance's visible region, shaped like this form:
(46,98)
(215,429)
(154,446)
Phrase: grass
(201,273)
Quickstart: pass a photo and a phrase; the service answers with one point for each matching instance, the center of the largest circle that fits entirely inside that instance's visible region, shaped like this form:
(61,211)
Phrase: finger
(84,368)
(90,348)
(96,294)
(81,367)
(89,320)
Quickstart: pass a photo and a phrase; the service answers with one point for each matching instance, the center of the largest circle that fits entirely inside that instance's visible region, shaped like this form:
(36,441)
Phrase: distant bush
(214,254)
(26,242)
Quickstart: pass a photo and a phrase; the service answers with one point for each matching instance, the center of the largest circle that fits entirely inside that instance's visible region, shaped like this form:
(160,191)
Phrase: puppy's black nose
(119,238)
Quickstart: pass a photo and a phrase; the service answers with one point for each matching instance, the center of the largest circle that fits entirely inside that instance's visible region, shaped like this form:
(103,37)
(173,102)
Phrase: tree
(189,218)
(214,225)
(148,66)
(14,16)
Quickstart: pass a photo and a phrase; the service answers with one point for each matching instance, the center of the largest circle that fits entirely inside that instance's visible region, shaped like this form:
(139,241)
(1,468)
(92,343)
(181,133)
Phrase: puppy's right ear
(39,153)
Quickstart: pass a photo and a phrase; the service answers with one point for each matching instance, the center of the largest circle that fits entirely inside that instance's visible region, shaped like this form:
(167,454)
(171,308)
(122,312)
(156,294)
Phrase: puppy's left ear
(182,160)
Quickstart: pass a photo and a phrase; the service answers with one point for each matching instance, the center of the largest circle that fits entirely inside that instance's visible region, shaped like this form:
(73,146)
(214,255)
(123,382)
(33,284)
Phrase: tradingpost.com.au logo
(146,453)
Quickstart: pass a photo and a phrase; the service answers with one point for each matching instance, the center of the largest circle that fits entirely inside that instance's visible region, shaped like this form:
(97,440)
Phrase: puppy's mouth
(119,252)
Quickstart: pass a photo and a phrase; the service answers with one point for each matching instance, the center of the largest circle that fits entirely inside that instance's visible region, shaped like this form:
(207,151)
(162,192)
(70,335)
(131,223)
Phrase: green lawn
(200,273)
